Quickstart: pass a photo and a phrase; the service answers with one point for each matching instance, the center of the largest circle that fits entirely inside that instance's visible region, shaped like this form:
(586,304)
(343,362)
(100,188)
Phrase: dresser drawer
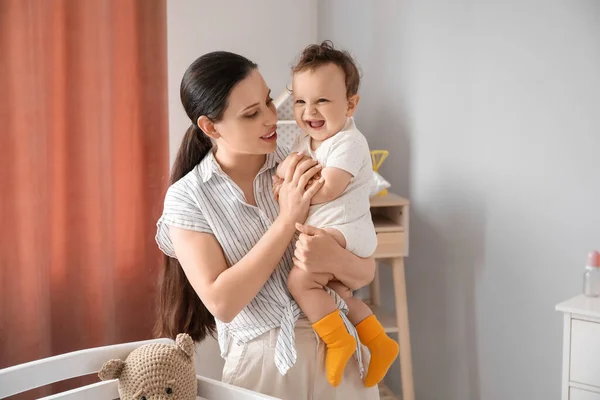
(585,352)
(390,244)
(578,394)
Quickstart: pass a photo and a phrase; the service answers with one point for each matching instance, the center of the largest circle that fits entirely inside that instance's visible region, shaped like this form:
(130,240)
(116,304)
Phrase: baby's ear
(185,343)
(111,369)
(352,104)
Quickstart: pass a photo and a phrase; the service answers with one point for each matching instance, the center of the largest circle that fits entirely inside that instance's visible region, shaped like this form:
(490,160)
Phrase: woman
(228,242)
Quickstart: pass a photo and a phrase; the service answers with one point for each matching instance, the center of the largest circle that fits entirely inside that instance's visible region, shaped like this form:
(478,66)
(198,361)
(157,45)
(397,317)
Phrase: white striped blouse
(207,200)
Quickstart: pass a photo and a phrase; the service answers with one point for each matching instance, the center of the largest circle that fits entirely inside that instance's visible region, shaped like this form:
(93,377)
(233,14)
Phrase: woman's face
(249,123)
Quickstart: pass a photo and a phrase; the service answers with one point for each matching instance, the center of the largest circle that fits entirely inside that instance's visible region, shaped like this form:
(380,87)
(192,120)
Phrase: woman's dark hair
(204,90)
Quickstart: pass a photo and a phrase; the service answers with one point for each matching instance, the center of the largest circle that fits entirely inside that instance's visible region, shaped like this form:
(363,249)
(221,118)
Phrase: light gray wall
(491,112)
(270,33)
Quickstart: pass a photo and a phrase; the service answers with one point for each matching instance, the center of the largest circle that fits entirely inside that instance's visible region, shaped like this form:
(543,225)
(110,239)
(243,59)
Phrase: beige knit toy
(156,371)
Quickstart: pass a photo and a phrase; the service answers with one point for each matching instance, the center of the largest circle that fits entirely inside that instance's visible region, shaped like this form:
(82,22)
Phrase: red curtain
(83,169)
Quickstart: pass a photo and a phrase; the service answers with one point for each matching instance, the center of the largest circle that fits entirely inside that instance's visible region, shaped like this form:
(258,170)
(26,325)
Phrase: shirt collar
(209,165)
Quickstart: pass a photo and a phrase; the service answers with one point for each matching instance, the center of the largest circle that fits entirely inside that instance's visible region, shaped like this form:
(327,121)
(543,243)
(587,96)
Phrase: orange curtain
(83,170)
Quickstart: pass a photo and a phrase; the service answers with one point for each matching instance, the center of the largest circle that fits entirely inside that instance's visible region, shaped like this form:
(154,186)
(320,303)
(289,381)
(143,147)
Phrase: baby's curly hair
(317,55)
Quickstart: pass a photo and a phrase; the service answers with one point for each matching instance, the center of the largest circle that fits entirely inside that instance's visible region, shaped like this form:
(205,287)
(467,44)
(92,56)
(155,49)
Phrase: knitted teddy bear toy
(156,371)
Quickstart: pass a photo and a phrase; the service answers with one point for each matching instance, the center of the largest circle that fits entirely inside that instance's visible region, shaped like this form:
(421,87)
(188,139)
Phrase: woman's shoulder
(186,188)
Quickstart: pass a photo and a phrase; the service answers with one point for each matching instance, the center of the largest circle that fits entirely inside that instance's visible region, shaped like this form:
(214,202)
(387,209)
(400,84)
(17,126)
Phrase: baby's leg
(357,310)
(371,333)
(308,291)
(320,308)
(337,235)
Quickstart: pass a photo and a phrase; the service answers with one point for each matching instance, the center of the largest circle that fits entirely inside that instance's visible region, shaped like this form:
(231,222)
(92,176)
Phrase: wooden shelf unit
(390,215)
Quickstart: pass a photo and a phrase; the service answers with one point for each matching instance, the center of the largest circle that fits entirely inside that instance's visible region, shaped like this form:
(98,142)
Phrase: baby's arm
(336,181)
(348,153)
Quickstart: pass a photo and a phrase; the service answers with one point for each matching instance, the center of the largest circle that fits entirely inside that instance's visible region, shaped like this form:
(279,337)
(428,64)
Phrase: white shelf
(581,305)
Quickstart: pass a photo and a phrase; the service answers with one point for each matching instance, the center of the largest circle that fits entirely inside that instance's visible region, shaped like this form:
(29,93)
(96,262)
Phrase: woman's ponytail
(194,147)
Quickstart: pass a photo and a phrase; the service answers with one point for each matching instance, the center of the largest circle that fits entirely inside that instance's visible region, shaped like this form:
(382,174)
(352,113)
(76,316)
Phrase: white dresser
(581,348)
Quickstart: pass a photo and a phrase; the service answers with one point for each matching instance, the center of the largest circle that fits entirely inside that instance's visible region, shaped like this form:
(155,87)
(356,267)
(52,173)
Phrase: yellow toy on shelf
(377,158)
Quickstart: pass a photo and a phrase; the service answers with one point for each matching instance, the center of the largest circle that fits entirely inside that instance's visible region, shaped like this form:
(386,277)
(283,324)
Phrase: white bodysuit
(350,212)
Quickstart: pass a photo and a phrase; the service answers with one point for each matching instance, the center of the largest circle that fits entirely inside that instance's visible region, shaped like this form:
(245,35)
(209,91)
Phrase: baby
(325,91)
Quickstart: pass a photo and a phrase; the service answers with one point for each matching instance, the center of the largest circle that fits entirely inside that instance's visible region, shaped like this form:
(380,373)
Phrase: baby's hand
(277,182)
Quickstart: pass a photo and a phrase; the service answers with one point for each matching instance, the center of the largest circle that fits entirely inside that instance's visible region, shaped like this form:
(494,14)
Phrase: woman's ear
(208,127)
(352,104)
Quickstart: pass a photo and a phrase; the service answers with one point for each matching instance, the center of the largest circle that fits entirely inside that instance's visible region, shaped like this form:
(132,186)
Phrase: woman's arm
(318,252)
(226,291)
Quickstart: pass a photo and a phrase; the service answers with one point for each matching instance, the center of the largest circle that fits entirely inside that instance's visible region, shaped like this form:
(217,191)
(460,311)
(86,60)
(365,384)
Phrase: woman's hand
(318,252)
(277,182)
(296,192)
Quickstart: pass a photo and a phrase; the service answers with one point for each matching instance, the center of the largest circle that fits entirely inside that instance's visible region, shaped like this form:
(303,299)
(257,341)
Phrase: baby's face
(320,103)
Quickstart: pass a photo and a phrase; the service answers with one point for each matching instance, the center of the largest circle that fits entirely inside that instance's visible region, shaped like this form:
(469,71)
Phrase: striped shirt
(207,200)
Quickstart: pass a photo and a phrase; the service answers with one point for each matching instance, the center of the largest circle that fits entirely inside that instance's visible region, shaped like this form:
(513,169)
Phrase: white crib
(31,375)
